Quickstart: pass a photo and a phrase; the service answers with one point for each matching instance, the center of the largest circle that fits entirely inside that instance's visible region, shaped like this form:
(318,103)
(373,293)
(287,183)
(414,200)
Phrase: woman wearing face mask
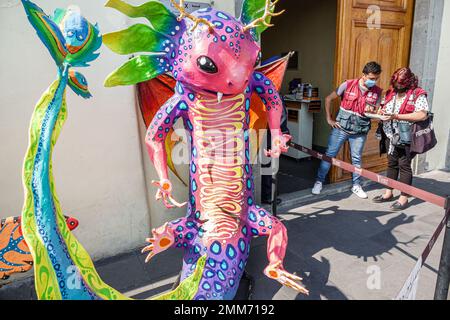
(404,104)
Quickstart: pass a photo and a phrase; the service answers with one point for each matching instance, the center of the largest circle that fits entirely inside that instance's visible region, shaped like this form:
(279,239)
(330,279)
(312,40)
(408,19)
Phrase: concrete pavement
(343,247)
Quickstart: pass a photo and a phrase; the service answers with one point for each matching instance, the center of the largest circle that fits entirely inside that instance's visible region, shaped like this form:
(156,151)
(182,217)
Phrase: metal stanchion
(275,168)
(274,194)
(443,281)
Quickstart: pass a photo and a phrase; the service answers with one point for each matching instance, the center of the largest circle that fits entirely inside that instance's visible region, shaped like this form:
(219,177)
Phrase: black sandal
(397,206)
(381,199)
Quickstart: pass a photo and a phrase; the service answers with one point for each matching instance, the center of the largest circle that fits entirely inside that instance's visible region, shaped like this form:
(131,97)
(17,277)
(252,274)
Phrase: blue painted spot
(259,89)
(244,230)
(190,224)
(210,274)
(231,252)
(206,286)
(218,25)
(231,282)
(180,228)
(197,249)
(258,76)
(229,30)
(262,224)
(191,96)
(193,168)
(217,286)
(183,106)
(189,124)
(255,232)
(224,265)
(249,184)
(221,275)
(247,104)
(194,186)
(223,38)
(216,248)
(242,245)
(250,201)
(252,216)
(222,15)
(211,262)
(190,236)
(180,89)
(241,265)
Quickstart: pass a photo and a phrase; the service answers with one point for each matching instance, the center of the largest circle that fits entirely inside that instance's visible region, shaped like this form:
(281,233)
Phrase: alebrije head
(215,61)
(208,50)
(81,37)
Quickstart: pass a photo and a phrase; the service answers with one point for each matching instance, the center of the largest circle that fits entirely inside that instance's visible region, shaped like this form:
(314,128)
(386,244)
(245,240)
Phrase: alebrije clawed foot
(163,238)
(278,273)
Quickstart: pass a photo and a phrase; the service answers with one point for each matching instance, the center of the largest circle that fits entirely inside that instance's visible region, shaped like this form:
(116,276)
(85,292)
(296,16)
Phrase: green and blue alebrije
(158,39)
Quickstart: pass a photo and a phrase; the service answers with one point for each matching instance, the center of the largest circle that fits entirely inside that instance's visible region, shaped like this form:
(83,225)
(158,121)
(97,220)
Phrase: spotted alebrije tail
(59,258)
(72,41)
(159,40)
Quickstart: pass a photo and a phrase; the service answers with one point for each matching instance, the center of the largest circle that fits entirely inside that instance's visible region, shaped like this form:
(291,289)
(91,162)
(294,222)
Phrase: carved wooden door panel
(371,30)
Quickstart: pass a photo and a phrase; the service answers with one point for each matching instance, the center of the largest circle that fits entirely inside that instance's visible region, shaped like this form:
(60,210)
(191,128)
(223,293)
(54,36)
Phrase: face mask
(402,90)
(370,83)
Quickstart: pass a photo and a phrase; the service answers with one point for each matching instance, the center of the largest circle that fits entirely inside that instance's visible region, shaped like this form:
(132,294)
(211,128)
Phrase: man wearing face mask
(358,96)
(405,103)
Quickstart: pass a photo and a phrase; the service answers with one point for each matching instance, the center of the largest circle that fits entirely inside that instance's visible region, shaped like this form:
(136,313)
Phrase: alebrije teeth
(219,97)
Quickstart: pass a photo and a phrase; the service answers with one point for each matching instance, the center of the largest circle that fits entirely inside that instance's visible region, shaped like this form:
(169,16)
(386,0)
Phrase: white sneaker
(358,190)
(317,188)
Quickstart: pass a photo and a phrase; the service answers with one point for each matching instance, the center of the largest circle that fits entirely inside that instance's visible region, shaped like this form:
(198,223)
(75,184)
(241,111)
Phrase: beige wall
(99,160)
(309,27)
(439,157)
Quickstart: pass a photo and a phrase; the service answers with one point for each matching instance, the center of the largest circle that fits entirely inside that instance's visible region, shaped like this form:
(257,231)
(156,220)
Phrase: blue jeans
(337,139)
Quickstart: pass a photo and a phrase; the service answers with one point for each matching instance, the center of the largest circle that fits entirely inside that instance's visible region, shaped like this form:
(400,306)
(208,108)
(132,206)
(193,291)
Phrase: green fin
(187,288)
(77,82)
(252,10)
(47,30)
(137,38)
(138,69)
(161,19)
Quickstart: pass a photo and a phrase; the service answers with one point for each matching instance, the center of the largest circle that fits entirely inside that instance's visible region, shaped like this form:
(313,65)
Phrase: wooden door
(387,42)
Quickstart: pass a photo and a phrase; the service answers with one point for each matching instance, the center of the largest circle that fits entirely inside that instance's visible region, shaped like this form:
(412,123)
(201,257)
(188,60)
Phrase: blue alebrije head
(81,37)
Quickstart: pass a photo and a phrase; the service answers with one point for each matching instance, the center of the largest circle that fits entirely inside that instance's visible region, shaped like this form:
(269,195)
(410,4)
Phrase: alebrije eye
(206,64)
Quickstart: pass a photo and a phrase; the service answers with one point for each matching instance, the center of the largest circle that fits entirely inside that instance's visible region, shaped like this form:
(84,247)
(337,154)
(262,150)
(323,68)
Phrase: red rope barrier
(410,190)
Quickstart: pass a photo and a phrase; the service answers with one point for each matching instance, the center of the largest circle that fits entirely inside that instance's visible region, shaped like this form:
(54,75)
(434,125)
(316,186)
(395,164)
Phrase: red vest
(354,100)
(409,106)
